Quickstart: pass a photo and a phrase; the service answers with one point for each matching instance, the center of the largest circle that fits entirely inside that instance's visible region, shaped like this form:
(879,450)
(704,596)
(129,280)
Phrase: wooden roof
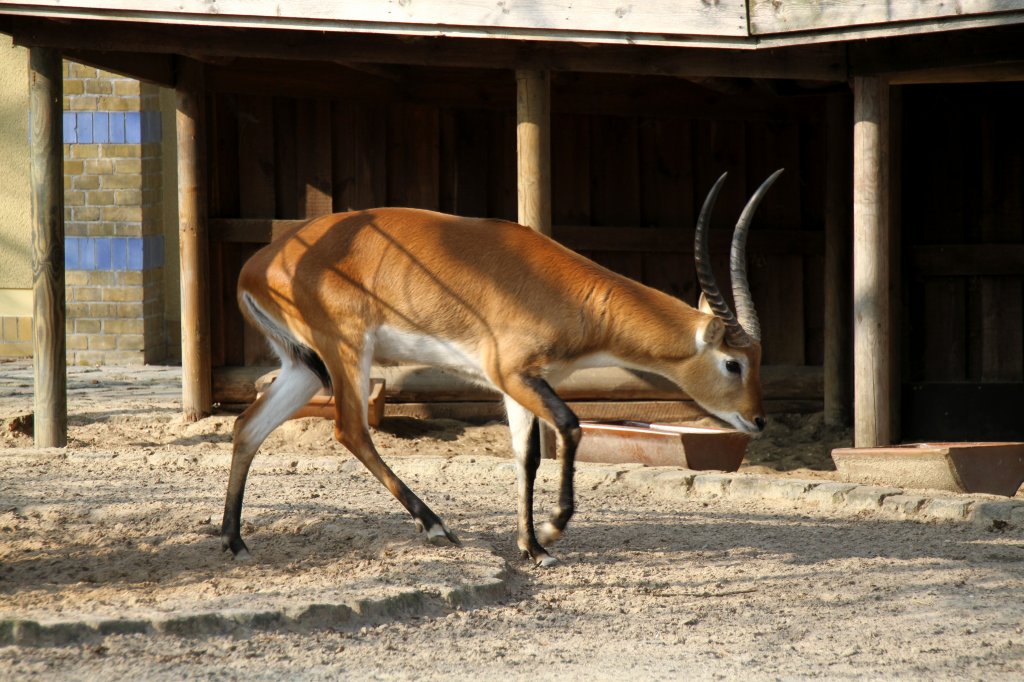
(738,24)
(793,40)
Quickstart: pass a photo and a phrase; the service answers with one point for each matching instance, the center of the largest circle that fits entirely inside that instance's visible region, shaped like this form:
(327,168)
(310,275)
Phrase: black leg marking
(568,426)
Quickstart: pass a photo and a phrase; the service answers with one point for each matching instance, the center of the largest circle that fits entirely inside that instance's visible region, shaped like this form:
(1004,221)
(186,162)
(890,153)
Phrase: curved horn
(735,335)
(738,263)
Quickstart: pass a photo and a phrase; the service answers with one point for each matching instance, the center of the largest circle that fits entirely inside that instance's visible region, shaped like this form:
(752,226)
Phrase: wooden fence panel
(359,167)
(413,173)
(616,177)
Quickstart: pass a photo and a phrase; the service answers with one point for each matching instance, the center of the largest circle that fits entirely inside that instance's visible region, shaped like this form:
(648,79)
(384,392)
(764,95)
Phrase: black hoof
(235,544)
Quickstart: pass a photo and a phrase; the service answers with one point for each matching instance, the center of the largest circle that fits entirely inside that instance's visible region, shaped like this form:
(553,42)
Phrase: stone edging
(294,617)
(982,510)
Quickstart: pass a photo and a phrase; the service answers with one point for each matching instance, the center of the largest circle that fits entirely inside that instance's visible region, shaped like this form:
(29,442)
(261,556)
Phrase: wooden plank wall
(963,233)
(628,182)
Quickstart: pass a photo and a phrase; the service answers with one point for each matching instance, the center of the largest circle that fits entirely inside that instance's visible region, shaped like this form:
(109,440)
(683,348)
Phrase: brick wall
(113,219)
(15,336)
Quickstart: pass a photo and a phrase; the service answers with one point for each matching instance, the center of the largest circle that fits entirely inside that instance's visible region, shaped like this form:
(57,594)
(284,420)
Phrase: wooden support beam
(838,245)
(196,373)
(533,142)
(871,263)
(49,308)
(533,153)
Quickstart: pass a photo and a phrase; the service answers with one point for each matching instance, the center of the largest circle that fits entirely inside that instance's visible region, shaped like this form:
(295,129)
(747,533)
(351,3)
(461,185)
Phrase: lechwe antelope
(493,300)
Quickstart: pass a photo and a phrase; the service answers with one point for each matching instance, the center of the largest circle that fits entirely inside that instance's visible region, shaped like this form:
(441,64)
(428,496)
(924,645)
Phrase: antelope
(497,302)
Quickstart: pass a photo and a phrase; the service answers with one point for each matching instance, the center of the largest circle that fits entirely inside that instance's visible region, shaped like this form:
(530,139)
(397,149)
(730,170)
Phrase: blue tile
(116,127)
(132,127)
(118,254)
(71,253)
(100,127)
(102,253)
(84,127)
(70,134)
(86,254)
(150,126)
(134,253)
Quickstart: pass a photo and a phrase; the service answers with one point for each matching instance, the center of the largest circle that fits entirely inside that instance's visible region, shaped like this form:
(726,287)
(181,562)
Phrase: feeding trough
(322,404)
(994,468)
(692,447)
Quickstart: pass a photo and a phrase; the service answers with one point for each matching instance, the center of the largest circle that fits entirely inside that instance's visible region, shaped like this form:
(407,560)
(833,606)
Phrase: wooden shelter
(888,264)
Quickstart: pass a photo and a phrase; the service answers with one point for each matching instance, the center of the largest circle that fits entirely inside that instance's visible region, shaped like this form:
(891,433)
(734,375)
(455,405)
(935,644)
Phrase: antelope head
(726,378)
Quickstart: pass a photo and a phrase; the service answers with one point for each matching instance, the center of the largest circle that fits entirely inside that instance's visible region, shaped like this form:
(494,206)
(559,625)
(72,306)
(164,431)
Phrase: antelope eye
(733,367)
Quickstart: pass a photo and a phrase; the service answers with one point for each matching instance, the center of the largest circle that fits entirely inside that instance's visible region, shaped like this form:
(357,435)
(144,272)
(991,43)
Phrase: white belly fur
(398,346)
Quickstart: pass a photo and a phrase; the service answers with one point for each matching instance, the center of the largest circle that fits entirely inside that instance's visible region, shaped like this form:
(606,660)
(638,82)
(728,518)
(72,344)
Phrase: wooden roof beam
(816,62)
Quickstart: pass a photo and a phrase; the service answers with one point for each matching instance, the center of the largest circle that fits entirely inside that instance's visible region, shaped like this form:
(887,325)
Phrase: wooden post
(49,307)
(196,372)
(533,138)
(871,271)
(838,245)
(533,151)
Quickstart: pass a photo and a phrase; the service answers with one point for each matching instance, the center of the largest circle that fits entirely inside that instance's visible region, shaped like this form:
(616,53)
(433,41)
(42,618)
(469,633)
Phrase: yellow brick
(74,87)
(74,198)
(76,70)
(85,151)
(77,342)
(100,197)
(88,326)
(73,167)
(88,294)
(99,310)
(133,165)
(128,310)
(121,151)
(129,277)
(128,197)
(9,328)
(123,87)
(99,166)
(85,213)
(131,342)
(99,86)
(83,103)
(119,294)
(102,342)
(24,328)
(101,278)
(121,181)
(84,181)
(124,214)
(115,103)
(129,325)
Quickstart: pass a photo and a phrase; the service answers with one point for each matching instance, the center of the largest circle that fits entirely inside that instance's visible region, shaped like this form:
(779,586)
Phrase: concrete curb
(290,616)
(985,511)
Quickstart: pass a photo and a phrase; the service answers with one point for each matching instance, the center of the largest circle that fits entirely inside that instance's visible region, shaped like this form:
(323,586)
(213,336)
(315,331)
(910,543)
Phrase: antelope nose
(759,423)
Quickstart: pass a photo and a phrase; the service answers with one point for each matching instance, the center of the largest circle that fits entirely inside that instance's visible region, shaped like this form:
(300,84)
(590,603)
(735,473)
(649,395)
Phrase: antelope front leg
(526,442)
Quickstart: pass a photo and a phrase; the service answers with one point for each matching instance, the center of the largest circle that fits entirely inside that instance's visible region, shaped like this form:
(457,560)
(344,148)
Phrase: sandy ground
(123,524)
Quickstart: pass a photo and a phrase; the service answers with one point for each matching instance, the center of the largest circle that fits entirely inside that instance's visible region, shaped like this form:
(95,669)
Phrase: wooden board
(781,16)
(358,172)
(940,411)
(313,158)
(413,153)
(521,18)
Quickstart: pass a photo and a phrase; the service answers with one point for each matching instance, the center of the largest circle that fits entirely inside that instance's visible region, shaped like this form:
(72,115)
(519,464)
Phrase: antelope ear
(704,306)
(712,333)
